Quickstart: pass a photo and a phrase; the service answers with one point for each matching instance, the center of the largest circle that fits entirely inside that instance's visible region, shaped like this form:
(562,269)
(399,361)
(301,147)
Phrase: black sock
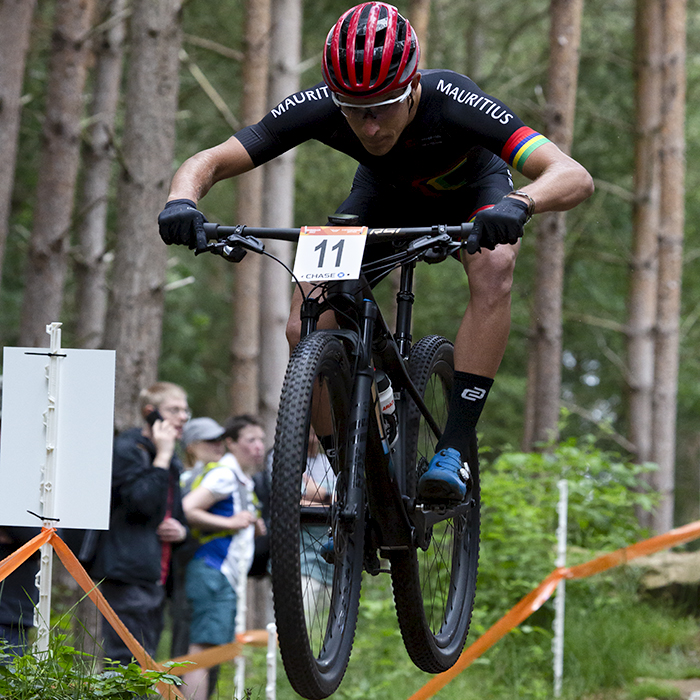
(469,392)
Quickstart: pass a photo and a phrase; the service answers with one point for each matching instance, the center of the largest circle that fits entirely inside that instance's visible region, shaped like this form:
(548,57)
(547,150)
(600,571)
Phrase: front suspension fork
(361,413)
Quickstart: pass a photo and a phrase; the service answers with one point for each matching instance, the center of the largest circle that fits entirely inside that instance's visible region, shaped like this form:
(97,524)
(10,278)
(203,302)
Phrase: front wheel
(434,587)
(316,550)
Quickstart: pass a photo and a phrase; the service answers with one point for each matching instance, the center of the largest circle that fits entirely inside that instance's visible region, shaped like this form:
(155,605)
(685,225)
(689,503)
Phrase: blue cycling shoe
(446,480)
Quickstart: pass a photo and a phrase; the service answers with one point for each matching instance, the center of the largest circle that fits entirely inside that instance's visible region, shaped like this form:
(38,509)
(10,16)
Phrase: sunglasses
(375,109)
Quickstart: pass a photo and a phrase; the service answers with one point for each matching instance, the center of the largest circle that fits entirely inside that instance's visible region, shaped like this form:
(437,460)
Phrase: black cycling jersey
(458,136)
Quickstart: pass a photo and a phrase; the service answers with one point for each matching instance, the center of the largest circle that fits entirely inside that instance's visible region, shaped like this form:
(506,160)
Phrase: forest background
(505,48)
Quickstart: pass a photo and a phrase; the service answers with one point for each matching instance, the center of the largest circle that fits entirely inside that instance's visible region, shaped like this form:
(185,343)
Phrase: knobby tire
(434,589)
(315,602)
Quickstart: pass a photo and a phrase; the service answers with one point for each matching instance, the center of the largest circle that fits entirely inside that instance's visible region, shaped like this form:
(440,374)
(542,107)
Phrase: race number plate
(329,253)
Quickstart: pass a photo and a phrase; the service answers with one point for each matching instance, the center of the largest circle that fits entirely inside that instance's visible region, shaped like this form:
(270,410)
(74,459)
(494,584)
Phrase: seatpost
(404,309)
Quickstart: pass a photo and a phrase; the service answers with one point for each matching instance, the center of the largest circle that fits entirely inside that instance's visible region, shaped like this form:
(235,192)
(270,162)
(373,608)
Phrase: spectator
(133,556)
(18,592)
(221,508)
(203,443)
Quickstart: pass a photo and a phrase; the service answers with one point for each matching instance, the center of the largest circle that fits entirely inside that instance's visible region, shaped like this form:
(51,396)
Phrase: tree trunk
(278,202)
(136,303)
(670,258)
(98,156)
(15,25)
(544,375)
(474,39)
(60,157)
(245,347)
(641,304)
(419,16)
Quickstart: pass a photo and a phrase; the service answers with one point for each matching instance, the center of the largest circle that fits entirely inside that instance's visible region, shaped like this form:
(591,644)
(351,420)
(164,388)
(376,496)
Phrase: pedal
(437,508)
(373,566)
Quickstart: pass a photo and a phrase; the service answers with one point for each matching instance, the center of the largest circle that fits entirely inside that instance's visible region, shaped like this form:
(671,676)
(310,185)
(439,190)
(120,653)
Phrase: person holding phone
(133,557)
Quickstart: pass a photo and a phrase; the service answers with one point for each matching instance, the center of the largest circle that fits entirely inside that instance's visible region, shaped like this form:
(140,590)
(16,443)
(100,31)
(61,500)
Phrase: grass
(66,673)
(654,689)
(617,647)
(607,651)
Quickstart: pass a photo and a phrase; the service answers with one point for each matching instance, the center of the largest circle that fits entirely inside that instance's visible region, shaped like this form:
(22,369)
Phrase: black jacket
(130,551)
(18,592)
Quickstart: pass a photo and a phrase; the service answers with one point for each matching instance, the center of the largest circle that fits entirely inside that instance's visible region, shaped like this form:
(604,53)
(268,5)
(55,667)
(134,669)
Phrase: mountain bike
(350,505)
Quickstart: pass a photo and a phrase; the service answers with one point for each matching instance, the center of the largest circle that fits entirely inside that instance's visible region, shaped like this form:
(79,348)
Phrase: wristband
(530,206)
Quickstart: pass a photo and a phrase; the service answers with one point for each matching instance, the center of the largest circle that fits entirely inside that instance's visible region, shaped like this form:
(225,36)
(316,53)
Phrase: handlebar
(246,236)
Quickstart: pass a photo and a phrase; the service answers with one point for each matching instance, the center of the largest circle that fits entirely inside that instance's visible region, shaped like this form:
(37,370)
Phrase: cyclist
(432,148)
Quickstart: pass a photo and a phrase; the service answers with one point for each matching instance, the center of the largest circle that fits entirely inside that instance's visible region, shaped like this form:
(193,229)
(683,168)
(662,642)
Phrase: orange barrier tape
(76,570)
(210,657)
(19,556)
(679,535)
(219,654)
(207,658)
(254,638)
(536,598)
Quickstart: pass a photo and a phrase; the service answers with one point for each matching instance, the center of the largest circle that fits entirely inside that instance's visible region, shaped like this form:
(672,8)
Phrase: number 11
(322,255)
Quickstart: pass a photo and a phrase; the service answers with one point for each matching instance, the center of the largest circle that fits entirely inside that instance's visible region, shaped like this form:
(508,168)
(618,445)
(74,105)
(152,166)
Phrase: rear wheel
(315,598)
(434,586)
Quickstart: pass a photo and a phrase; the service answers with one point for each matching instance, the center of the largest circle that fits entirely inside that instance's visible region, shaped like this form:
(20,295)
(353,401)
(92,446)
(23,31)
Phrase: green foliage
(519,506)
(611,637)
(624,641)
(66,673)
(504,46)
(651,689)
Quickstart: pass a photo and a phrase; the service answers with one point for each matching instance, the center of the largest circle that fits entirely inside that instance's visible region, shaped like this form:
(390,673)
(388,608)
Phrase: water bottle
(388,407)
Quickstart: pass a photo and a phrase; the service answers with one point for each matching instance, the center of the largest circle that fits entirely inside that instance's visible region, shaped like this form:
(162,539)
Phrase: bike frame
(371,466)
(393,523)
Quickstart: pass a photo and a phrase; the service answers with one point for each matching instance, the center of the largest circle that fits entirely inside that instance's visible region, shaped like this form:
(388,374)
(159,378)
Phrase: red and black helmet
(371,50)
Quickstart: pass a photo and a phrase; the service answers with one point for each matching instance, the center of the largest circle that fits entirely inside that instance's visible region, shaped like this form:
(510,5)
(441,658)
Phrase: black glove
(179,222)
(502,223)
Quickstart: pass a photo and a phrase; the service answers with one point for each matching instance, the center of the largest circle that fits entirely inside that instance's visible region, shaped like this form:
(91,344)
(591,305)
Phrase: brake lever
(233,247)
(248,242)
(425,242)
(435,248)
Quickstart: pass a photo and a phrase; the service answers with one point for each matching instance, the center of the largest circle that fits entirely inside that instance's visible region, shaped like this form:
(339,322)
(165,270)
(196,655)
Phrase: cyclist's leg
(479,348)
(327,320)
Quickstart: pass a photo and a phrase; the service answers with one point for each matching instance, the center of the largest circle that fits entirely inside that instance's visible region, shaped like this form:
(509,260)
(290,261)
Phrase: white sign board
(326,253)
(85,418)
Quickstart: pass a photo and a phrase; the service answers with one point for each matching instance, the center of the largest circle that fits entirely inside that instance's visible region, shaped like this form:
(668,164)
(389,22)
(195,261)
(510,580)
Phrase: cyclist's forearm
(199,173)
(559,189)
(193,180)
(559,183)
